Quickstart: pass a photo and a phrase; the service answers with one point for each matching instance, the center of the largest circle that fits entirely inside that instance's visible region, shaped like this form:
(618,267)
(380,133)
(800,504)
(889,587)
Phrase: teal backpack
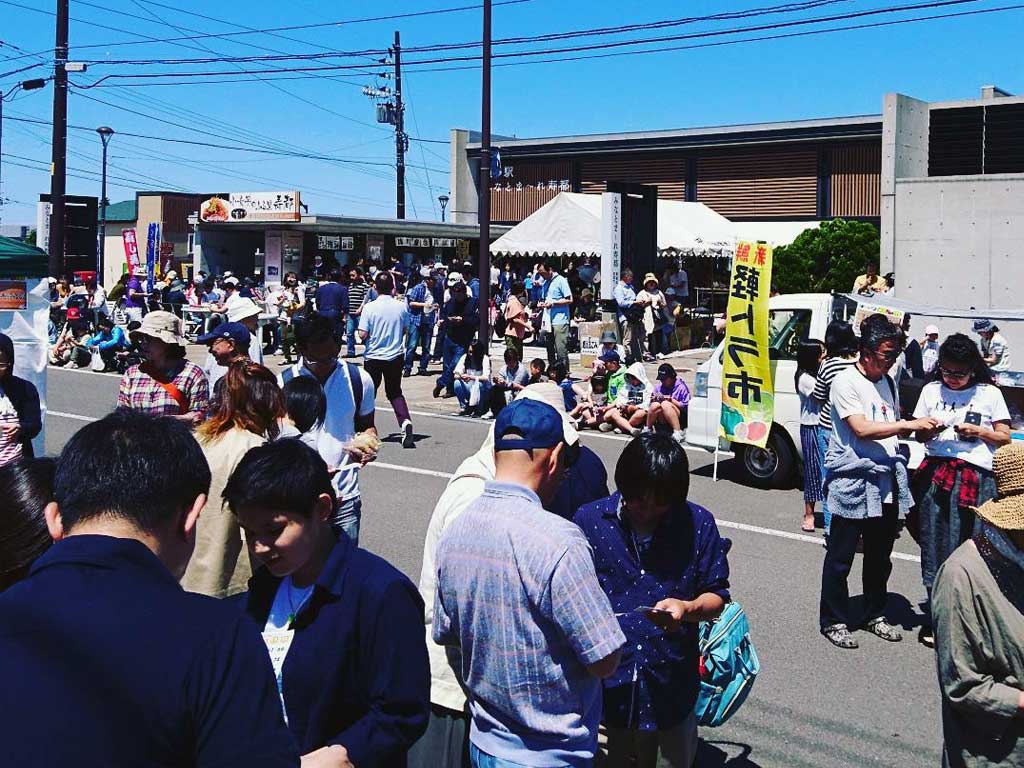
(728,665)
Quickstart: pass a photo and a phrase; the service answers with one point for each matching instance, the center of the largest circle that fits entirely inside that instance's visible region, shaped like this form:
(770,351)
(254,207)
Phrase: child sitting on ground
(591,404)
(632,401)
(537,368)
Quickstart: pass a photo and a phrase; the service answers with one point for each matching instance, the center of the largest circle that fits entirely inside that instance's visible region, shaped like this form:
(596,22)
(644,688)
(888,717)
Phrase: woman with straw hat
(978,608)
(166,384)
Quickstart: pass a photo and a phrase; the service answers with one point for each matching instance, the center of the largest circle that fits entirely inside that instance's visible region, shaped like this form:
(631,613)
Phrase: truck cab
(793,318)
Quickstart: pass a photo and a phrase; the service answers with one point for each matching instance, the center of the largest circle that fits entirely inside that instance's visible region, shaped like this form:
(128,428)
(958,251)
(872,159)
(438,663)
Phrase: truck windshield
(786,329)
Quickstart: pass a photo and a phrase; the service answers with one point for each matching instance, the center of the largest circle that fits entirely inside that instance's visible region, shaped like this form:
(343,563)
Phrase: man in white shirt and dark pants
(382,331)
(866,483)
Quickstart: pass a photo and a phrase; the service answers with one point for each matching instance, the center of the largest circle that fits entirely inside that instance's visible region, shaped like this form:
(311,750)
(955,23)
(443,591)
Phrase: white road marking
(82,370)
(774,532)
(73,416)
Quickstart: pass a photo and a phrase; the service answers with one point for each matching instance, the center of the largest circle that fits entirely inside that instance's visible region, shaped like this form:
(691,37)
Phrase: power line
(620,44)
(791,7)
(316,25)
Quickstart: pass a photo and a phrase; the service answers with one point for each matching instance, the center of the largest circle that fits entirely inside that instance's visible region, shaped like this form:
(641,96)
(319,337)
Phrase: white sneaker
(646,431)
(636,431)
(679,436)
(408,440)
(604,426)
(659,356)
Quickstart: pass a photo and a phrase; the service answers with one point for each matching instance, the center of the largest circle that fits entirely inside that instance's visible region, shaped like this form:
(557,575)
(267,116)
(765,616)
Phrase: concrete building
(168,209)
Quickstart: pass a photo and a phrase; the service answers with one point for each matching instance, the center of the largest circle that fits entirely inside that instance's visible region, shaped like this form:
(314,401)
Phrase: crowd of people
(548,604)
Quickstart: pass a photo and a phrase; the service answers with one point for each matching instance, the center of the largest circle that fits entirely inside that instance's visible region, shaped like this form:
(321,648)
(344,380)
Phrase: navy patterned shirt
(656,684)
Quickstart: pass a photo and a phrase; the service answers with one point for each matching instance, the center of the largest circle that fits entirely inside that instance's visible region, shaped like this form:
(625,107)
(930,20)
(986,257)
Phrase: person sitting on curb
(631,403)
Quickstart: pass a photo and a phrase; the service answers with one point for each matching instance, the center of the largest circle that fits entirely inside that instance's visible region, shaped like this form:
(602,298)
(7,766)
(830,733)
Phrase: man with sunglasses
(866,482)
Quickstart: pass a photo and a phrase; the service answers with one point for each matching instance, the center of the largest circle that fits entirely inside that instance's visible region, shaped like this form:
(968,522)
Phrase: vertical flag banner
(152,243)
(131,250)
(748,393)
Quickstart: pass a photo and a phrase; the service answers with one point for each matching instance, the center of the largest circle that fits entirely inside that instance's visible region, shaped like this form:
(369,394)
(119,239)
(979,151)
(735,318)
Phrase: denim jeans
(345,519)
(452,354)
(351,324)
(419,336)
(483,760)
(462,391)
(823,438)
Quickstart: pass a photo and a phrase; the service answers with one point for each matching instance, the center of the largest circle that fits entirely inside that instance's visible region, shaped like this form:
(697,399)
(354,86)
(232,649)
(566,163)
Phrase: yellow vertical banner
(748,393)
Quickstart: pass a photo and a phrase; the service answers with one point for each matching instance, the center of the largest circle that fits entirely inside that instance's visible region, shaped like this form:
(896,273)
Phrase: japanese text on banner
(748,393)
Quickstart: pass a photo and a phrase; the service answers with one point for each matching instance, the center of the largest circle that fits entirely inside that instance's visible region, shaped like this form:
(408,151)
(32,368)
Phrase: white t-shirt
(854,393)
(287,603)
(998,348)
(384,319)
(810,409)
(339,424)
(929,356)
(950,406)
(99,300)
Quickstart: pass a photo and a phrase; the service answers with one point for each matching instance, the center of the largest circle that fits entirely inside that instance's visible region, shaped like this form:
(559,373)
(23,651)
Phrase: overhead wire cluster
(271,66)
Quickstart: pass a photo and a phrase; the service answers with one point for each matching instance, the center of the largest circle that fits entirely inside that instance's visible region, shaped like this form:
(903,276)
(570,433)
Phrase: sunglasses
(959,375)
(888,357)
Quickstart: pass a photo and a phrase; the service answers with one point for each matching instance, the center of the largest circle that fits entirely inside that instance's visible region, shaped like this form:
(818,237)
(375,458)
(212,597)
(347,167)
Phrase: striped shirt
(356,295)
(831,368)
(517,592)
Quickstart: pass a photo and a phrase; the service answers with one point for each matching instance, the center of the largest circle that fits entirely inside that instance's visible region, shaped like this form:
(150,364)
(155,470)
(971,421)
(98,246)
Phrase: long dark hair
(840,340)
(475,355)
(961,349)
(26,487)
(305,403)
(808,359)
(7,348)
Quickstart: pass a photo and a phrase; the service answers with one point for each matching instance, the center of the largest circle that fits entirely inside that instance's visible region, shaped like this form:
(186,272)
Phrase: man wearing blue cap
(518,599)
(228,343)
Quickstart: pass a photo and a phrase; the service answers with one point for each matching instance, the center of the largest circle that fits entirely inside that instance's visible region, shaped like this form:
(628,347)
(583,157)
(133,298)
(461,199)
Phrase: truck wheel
(771,466)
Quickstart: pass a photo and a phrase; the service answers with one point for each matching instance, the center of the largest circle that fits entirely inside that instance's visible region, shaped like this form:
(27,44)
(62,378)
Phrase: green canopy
(21,260)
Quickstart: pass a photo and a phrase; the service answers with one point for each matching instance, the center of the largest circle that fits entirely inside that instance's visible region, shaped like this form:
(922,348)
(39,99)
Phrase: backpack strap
(355,380)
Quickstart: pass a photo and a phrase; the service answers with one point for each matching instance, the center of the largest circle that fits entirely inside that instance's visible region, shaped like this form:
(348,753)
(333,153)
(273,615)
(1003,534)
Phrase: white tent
(570,225)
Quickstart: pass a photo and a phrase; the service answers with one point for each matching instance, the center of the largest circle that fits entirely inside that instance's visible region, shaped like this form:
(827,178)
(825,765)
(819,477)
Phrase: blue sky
(816,76)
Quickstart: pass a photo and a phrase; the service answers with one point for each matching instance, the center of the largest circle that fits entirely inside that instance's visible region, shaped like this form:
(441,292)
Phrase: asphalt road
(812,706)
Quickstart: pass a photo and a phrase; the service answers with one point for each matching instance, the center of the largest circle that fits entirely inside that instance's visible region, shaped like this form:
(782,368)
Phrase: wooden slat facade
(763,184)
(666,172)
(526,185)
(856,180)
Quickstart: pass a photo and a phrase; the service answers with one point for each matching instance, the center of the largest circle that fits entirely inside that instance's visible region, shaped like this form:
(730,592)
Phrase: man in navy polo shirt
(652,547)
(105,659)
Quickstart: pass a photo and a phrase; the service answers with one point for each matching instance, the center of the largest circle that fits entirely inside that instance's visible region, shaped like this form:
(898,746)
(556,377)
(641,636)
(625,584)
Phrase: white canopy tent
(570,225)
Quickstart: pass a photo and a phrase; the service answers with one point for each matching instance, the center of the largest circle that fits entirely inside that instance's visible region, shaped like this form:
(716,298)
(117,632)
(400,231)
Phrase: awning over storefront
(18,259)
(570,225)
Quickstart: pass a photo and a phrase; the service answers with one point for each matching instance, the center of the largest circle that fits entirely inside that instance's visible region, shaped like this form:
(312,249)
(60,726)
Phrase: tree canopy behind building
(826,259)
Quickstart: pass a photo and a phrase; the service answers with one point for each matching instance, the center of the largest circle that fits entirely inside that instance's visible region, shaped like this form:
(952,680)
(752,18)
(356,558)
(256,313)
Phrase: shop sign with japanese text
(252,206)
(748,392)
(13,294)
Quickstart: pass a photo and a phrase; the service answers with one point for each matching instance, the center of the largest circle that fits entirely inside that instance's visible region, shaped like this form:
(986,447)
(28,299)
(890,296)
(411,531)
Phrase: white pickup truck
(794,318)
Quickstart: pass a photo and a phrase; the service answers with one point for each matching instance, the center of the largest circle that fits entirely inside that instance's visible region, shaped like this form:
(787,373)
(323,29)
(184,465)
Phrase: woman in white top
(473,380)
(956,475)
(247,416)
(654,315)
(808,360)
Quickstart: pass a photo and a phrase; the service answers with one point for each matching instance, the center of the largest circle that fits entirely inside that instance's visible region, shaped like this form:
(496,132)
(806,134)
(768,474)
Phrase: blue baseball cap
(525,424)
(237,332)
(610,356)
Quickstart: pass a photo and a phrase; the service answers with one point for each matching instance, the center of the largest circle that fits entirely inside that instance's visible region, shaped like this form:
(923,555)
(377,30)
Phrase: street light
(105,134)
(25,85)
(443,200)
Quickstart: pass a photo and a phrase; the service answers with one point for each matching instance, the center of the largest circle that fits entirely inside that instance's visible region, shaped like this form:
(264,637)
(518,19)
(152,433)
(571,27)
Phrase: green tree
(825,259)
(30,238)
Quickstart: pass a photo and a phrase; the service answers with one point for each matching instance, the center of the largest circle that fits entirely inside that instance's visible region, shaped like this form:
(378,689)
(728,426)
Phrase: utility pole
(401,141)
(484,200)
(58,169)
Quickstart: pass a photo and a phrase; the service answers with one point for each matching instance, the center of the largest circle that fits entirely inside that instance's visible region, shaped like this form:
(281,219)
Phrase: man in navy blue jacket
(105,659)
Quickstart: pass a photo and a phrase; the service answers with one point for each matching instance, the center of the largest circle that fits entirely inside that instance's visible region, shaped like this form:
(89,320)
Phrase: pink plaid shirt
(141,392)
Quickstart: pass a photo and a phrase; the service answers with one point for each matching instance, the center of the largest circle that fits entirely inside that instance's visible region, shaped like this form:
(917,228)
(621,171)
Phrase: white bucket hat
(163,326)
(242,310)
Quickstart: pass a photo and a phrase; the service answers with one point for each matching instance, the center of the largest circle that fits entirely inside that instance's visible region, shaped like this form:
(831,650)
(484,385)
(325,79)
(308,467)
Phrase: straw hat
(1006,511)
(163,326)
(650,278)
